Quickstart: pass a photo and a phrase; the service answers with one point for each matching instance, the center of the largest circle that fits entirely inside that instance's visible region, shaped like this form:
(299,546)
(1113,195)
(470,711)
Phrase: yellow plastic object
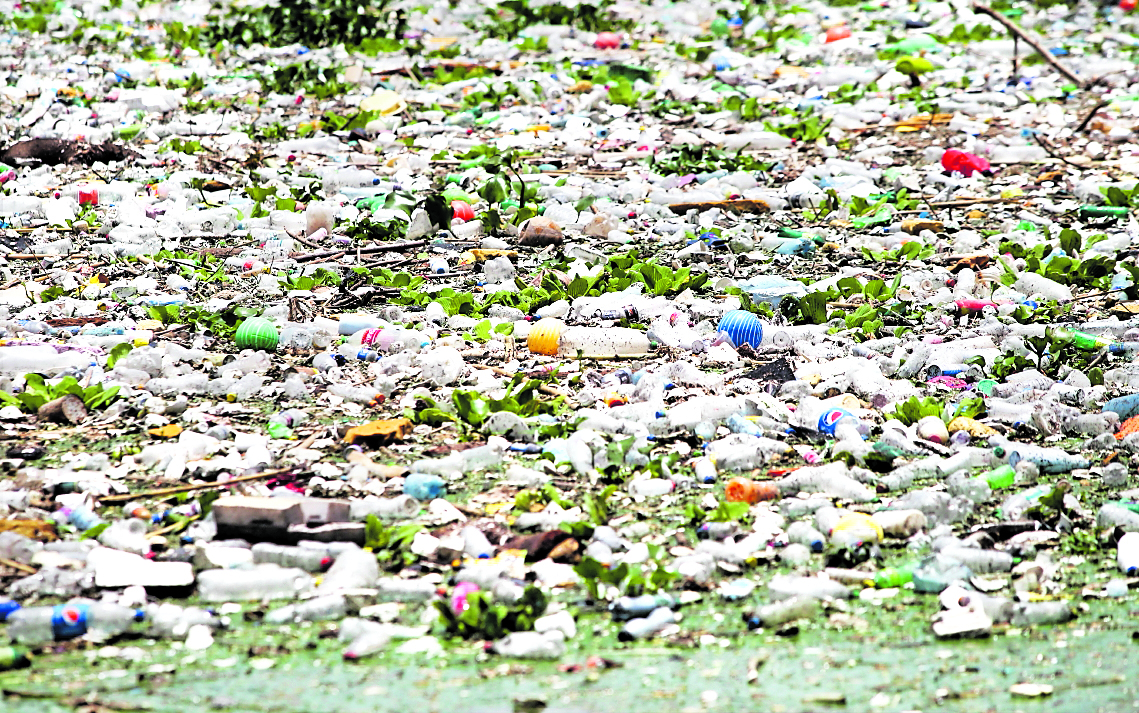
(859,526)
(914,226)
(544,335)
(973,427)
(384,101)
(913,65)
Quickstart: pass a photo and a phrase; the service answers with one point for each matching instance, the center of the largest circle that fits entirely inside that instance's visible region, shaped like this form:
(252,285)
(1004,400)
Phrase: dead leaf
(380,432)
(914,226)
(35,529)
(484,254)
(170,430)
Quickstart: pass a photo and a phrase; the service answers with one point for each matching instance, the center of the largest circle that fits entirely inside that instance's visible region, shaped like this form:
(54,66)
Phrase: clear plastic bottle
(17,547)
(401,507)
(980,561)
(627,608)
(43,359)
(384,340)
(356,394)
(307,558)
(651,487)
(79,617)
(802,533)
(647,627)
(531,645)
(365,637)
(354,568)
(329,607)
(780,613)
(405,590)
(259,583)
(1034,613)
(552,337)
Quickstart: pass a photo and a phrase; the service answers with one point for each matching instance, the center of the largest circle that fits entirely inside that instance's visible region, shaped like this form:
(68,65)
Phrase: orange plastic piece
(749,491)
(840,32)
(1129,426)
(384,431)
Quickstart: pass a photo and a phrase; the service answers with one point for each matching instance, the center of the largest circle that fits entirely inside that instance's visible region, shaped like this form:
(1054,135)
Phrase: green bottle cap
(985,386)
(256,333)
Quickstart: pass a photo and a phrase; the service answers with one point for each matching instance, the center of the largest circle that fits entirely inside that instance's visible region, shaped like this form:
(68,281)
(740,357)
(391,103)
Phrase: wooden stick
(1088,119)
(17,565)
(1032,42)
(190,488)
(1048,150)
(364,251)
(503,372)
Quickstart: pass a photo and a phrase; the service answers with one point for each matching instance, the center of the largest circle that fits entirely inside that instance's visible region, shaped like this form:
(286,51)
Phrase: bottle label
(69,621)
(830,418)
(370,336)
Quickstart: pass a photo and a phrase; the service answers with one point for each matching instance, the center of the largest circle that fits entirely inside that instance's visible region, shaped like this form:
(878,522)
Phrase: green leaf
(1070,241)
(729,511)
(95,531)
(118,352)
(1115,196)
(35,384)
(914,409)
(849,286)
(584,203)
(970,408)
(471,406)
(482,330)
(578,287)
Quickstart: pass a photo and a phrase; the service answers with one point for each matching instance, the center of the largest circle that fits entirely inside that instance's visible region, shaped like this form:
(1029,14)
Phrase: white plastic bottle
(1127,553)
(782,612)
(475,543)
(651,487)
(648,626)
(532,645)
